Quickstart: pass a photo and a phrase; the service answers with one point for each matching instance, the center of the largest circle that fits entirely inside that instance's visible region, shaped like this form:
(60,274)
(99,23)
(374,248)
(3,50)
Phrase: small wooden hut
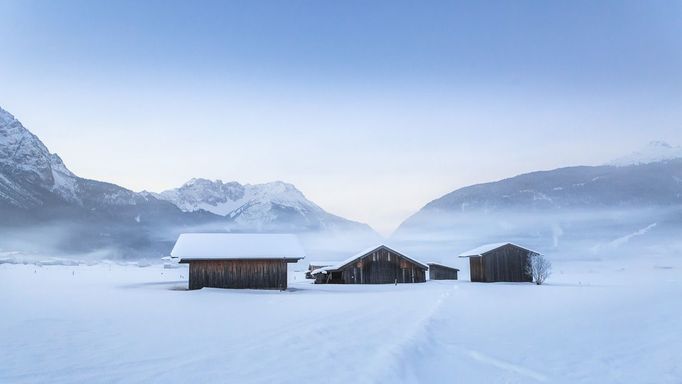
(439,271)
(377,265)
(499,262)
(227,260)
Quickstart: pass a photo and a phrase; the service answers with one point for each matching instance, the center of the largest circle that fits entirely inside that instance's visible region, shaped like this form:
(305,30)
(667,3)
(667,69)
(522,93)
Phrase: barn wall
(256,274)
(507,263)
(477,269)
(437,272)
(381,267)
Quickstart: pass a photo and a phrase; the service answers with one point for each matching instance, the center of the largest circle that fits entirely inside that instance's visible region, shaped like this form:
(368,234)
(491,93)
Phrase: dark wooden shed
(499,262)
(378,265)
(439,271)
(226,260)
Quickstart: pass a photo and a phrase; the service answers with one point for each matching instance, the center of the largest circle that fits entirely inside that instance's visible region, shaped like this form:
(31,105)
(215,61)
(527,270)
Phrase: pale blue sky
(371,108)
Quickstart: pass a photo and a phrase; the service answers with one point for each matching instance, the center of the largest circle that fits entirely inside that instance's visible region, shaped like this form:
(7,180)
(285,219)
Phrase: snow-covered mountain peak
(223,198)
(654,151)
(6,117)
(272,206)
(203,194)
(21,152)
(278,191)
(202,183)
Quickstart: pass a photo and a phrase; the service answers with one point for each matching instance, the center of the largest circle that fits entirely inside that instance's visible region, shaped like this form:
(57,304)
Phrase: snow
(226,198)
(323,263)
(478,251)
(237,246)
(323,270)
(593,322)
(6,118)
(616,243)
(625,239)
(653,152)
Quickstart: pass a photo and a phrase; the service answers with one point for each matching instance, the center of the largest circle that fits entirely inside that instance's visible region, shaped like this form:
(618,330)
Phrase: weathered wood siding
(507,263)
(380,267)
(440,272)
(255,274)
(477,269)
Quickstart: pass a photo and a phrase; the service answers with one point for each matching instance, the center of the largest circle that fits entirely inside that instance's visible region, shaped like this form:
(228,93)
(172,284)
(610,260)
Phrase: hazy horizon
(371,110)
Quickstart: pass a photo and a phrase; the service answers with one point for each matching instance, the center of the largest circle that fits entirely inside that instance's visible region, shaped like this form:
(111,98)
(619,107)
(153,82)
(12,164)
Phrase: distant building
(227,260)
(313,265)
(378,265)
(499,262)
(439,271)
(169,262)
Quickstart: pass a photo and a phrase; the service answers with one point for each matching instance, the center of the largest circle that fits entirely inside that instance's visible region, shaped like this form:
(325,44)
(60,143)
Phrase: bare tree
(539,268)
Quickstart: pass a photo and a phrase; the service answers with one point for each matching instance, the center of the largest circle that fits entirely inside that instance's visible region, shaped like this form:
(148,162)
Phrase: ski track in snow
(397,356)
(478,356)
(422,336)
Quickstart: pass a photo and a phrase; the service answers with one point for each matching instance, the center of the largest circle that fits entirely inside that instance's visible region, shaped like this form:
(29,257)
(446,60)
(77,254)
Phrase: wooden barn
(378,265)
(227,260)
(499,262)
(439,271)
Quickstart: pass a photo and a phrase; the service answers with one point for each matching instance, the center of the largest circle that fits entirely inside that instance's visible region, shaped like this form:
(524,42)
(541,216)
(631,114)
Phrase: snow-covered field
(594,322)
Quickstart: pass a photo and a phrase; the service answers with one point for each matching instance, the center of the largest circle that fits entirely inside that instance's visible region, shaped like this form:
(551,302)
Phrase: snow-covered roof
(323,263)
(369,250)
(237,246)
(441,265)
(321,270)
(478,251)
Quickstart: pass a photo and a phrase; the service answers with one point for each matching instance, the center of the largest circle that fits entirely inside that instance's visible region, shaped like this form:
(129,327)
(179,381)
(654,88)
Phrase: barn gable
(377,265)
(369,251)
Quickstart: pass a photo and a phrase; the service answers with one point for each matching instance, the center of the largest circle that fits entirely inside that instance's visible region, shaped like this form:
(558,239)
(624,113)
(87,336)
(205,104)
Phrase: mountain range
(276,206)
(74,214)
(630,205)
(583,212)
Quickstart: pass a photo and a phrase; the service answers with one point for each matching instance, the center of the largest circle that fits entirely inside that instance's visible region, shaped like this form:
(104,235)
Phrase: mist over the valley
(571,234)
(631,207)
(571,213)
